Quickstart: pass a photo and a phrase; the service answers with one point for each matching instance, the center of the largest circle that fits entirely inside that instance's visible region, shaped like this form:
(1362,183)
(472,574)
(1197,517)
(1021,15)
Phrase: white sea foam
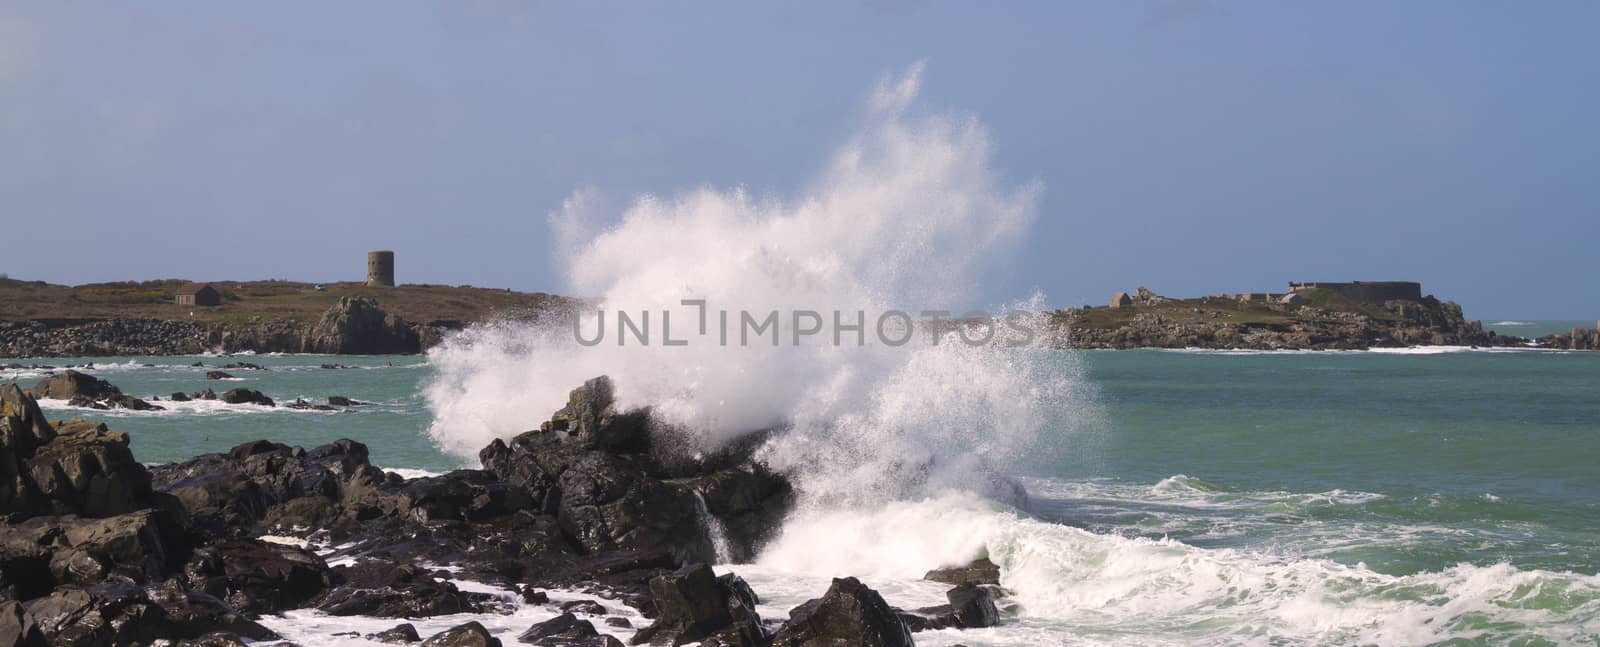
(1078,587)
(907,215)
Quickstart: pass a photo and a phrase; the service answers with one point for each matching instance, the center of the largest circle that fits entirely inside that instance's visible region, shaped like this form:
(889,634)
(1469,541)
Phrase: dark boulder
(470,634)
(385,589)
(218,375)
(567,630)
(848,614)
(401,634)
(973,606)
(179,396)
(258,577)
(120,613)
(694,605)
(341,401)
(246,396)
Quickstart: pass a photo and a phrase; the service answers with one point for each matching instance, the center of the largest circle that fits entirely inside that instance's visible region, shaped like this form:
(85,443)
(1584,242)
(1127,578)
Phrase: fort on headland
(1375,292)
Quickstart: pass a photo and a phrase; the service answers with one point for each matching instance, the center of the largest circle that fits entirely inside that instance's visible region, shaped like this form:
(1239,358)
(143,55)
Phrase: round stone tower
(380,268)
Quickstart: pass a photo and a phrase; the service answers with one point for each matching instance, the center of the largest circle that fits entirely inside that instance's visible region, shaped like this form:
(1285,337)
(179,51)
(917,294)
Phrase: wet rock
(401,634)
(123,614)
(243,366)
(586,607)
(849,613)
(567,630)
(470,634)
(531,595)
(246,396)
(694,605)
(341,401)
(179,396)
(258,577)
(388,590)
(218,375)
(973,606)
(979,571)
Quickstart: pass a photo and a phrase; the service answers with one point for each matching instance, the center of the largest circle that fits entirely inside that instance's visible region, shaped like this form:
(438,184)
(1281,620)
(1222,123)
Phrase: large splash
(908,215)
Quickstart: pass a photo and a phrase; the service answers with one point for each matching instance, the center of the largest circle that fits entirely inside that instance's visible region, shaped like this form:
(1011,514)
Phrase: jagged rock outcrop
(850,613)
(357,326)
(697,606)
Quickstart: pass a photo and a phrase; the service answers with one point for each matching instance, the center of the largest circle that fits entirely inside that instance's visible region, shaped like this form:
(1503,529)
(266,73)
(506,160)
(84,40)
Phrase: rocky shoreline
(352,326)
(98,549)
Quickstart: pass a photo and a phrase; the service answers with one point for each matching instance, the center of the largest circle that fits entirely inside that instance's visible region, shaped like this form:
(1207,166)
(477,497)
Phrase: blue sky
(1192,147)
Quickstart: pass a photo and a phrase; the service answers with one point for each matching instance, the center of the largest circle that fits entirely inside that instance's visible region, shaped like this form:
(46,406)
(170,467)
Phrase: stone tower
(380,268)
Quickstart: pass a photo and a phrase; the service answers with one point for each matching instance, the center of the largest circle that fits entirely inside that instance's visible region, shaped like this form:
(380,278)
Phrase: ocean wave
(1514,323)
(1080,587)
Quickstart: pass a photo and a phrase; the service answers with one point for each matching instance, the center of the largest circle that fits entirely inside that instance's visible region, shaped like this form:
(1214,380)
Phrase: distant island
(1306,316)
(178,317)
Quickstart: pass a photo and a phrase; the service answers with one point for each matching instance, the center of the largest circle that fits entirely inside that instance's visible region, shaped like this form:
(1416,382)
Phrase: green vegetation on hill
(272,299)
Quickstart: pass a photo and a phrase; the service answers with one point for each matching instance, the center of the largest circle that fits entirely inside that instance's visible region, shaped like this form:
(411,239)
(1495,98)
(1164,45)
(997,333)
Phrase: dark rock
(973,606)
(980,571)
(848,614)
(84,469)
(531,595)
(246,396)
(694,605)
(387,590)
(566,630)
(400,634)
(470,634)
(586,607)
(341,401)
(300,403)
(218,375)
(244,366)
(258,577)
(122,614)
(179,396)
(618,622)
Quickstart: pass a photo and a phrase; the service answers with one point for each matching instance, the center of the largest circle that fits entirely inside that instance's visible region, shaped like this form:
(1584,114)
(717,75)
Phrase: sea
(1416,496)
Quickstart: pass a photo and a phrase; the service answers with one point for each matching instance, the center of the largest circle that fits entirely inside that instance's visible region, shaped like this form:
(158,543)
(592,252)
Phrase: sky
(1193,147)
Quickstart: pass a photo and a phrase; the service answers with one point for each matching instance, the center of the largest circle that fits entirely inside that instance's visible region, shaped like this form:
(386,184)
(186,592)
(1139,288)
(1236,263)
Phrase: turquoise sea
(1415,496)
